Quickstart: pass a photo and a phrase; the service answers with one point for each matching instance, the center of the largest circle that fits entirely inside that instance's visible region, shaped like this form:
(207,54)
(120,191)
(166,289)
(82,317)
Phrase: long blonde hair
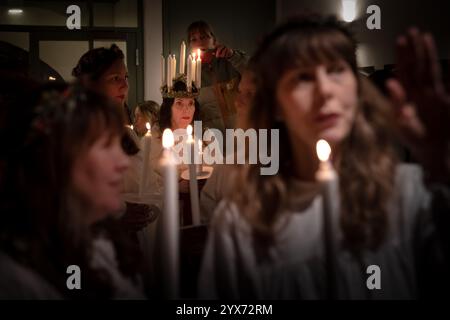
(367,162)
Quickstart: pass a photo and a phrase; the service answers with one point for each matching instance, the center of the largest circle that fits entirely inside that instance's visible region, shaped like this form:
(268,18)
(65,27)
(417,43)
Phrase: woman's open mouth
(327,120)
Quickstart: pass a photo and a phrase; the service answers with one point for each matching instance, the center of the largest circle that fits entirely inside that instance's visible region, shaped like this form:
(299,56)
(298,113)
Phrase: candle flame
(323,150)
(131,127)
(189,130)
(148,126)
(198,54)
(168,139)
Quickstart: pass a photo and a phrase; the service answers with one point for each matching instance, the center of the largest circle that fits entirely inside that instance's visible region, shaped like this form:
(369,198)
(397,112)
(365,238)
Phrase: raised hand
(423,104)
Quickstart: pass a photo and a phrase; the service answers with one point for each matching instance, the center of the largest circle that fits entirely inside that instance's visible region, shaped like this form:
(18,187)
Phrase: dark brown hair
(95,62)
(165,112)
(42,224)
(201,27)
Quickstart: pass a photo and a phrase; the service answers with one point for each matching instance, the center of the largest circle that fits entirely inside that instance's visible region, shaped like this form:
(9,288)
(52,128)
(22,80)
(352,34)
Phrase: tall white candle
(194,68)
(169,72)
(198,72)
(189,74)
(182,57)
(199,166)
(193,186)
(146,148)
(328,177)
(170,220)
(174,67)
(163,67)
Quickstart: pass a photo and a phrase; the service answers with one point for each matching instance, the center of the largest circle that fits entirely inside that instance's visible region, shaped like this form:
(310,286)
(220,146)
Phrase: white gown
(294,266)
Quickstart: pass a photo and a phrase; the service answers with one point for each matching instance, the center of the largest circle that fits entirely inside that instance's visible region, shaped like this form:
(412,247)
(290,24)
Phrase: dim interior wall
(153,48)
(377,47)
(237,24)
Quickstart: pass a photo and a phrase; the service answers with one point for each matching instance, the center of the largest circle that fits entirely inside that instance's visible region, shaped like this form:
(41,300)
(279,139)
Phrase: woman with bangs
(61,176)
(267,237)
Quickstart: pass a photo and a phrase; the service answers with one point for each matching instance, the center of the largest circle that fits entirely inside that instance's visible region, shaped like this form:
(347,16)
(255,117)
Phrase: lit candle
(170,219)
(193,187)
(182,57)
(198,72)
(328,177)
(163,66)
(146,147)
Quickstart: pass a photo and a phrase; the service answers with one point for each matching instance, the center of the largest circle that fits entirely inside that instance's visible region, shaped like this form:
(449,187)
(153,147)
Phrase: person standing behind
(147,111)
(221,71)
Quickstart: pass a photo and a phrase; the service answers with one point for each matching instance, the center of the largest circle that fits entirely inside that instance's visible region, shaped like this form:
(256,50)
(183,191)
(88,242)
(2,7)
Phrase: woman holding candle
(267,238)
(220,72)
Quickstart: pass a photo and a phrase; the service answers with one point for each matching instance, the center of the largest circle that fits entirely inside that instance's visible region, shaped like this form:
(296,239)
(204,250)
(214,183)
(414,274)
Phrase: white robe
(294,265)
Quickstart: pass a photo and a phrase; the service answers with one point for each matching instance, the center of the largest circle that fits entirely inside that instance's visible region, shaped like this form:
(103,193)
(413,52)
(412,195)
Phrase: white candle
(193,186)
(174,67)
(170,220)
(163,66)
(199,167)
(329,179)
(189,74)
(182,57)
(198,72)
(146,147)
(169,72)
(193,68)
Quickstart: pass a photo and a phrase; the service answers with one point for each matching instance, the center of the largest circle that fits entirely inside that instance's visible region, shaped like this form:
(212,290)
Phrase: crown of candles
(190,72)
(175,92)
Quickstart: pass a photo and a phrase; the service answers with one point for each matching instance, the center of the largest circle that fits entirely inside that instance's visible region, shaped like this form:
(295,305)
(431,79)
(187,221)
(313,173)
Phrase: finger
(223,52)
(218,48)
(417,61)
(434,76)
(402,64)
(396,93)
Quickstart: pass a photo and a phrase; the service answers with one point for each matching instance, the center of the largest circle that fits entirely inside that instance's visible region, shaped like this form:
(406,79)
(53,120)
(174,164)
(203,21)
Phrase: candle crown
(183,93)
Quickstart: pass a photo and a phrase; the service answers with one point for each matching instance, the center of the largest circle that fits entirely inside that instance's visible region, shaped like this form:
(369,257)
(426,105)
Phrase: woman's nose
(123,161)
(124,84)
(323,83)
